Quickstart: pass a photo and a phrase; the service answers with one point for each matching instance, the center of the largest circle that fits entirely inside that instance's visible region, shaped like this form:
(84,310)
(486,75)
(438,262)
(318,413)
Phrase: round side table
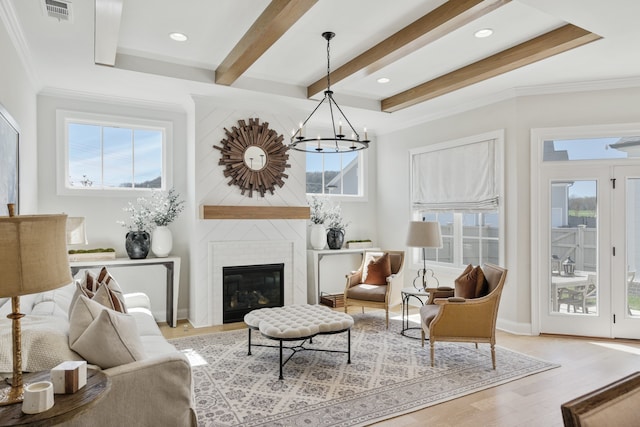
(65,407)
(407,294)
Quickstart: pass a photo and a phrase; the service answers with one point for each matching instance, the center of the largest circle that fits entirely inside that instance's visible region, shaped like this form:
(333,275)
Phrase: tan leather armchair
(465,320)
(375,295)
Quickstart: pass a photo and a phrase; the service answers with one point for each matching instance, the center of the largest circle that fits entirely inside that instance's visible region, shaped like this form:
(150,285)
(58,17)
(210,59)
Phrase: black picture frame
(9,162)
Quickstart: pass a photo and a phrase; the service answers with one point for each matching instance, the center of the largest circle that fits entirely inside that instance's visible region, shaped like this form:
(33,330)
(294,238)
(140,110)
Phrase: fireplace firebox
(250,287)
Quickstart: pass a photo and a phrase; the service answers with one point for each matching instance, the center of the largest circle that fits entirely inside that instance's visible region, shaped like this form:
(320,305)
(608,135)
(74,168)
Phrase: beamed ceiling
(261,50)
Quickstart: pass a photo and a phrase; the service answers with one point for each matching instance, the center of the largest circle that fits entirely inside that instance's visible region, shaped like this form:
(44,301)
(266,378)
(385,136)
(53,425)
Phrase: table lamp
(33,258)
(424,234)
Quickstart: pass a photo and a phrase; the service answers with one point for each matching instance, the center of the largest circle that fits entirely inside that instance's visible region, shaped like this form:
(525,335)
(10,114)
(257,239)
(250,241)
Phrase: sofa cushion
(102,336)
(470,284)
(378,270)
(115,291)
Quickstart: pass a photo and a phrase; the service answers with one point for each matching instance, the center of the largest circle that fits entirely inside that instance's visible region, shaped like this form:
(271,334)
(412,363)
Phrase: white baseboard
(514,327)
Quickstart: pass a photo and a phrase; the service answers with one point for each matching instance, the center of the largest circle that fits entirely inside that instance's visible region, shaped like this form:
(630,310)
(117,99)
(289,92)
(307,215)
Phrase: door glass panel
(573,278)
(563,150)
(633,246)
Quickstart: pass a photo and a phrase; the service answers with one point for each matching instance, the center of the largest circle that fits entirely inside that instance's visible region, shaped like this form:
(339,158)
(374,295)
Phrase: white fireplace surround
(242,253)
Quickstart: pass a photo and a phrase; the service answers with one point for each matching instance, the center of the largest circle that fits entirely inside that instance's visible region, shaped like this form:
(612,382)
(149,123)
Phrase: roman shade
(461,178)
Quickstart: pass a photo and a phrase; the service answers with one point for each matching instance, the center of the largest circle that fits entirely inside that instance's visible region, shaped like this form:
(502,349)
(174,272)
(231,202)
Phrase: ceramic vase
(137,244)
(161,241)
(335,238)
(318,236)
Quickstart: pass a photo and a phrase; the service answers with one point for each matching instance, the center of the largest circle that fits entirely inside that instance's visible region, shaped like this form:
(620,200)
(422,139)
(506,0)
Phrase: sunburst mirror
(254,157)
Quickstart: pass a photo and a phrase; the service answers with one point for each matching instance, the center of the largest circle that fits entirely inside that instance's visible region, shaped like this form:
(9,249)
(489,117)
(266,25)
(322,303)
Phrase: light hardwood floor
(586,364)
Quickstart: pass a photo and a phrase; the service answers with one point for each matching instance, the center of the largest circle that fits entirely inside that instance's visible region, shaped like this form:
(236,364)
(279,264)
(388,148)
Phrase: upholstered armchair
(470,315)
(377,283)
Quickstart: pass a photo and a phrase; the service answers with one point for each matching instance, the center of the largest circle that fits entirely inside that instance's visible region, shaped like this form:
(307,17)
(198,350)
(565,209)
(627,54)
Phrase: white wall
(18,97)
(101,212)
(517,116)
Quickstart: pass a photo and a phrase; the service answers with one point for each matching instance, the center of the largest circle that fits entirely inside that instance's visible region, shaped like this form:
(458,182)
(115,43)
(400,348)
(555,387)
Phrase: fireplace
(249,287)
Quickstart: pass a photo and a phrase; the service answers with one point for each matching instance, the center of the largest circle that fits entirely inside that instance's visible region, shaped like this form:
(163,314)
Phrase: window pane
(148,158)
(470,251)
(117,157)
(332,176)
(84,155)
(350,173)
(490,228)
(314,173)
(591,149)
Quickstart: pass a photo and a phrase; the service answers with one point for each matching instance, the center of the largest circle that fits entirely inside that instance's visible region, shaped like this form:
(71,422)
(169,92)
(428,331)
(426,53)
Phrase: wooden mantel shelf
(255,212)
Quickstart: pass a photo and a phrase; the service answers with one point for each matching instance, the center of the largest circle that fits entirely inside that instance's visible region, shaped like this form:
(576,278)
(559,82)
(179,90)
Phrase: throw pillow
(470,284)
(378,270)
(102,336)
(115,292)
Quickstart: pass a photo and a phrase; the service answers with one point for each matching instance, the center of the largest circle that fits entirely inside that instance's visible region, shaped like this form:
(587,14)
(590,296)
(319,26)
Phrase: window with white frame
(335,173)
(459,185)
(101,153)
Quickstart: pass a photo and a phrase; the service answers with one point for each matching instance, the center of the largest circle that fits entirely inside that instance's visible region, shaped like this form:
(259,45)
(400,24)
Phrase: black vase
(137,244)
(335,238)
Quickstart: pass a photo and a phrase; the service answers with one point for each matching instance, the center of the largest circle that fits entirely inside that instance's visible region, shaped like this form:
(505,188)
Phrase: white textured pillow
(102,336)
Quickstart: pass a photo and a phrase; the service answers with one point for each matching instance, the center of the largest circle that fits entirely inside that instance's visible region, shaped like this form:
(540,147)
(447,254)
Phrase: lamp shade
(33,254)
(424,234)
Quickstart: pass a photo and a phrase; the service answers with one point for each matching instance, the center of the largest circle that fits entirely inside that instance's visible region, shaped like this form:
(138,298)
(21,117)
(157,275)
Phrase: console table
(313,268)
(172,264)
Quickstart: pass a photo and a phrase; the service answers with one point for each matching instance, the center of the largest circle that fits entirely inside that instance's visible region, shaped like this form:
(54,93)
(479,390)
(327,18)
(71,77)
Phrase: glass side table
(407,294)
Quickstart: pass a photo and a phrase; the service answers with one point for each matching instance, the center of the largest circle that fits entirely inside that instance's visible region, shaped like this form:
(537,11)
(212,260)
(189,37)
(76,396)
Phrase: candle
(301,130)
(365,133)
(340,124)
(318,142)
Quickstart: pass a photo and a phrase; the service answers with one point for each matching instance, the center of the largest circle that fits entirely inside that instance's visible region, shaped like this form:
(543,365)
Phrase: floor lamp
(33,258)
(424,234)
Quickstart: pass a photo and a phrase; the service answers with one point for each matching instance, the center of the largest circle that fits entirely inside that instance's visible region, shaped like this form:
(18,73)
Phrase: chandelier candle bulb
(365,133)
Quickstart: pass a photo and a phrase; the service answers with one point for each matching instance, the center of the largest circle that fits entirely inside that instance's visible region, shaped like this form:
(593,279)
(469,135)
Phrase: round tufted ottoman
(298,323)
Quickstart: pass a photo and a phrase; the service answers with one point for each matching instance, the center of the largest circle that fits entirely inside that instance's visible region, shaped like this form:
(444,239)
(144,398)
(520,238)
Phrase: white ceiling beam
(108,14)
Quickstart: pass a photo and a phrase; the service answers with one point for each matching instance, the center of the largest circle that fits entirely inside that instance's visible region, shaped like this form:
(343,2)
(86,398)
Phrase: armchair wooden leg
(422,336)
(476,346)
(493,355)
(387,312)
(432,352)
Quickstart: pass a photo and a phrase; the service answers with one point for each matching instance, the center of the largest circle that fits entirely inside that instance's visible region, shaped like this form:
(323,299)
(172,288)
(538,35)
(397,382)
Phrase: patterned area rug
(389,375)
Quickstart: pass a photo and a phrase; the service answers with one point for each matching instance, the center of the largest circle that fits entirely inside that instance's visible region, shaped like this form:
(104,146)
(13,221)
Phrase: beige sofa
(157,390)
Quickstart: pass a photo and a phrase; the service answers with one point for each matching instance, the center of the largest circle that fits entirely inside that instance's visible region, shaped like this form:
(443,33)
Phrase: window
(459,185)
(467,238)
(111,154)
(335,173)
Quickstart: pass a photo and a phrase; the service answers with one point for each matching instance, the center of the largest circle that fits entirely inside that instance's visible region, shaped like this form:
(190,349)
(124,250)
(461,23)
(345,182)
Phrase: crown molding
(110,99)
(10,20)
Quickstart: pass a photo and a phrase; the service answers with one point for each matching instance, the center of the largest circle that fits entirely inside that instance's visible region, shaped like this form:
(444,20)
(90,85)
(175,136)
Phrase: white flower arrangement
(325,213)
(161,210)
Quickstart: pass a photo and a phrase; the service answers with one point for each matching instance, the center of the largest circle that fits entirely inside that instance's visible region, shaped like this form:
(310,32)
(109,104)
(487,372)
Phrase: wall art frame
(254,157)
(9,162)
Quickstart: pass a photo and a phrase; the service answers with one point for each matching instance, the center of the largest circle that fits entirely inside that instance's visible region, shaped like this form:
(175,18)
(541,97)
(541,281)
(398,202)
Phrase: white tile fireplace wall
(240,253)
(241,241)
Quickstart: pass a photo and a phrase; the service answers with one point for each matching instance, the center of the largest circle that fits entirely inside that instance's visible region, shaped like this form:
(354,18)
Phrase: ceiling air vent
(59,9)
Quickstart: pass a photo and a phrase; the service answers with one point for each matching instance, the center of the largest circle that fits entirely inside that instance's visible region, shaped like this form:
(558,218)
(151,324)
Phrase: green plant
(90,251)
(359,241)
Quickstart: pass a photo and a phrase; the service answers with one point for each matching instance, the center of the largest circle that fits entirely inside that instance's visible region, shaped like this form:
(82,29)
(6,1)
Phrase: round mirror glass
(255,158)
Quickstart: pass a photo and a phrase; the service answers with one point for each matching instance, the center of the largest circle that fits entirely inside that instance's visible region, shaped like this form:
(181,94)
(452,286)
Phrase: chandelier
(341,144)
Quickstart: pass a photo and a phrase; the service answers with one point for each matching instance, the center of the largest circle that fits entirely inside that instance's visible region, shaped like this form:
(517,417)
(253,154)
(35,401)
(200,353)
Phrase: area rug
(389,375)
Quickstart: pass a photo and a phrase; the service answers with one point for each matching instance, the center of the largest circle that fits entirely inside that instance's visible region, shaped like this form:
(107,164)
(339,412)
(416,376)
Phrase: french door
(625,277)
(590,251)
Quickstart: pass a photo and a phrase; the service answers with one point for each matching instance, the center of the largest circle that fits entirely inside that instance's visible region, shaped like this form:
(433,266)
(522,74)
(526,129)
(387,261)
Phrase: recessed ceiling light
(179,37)
(383,80)
(485,32)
